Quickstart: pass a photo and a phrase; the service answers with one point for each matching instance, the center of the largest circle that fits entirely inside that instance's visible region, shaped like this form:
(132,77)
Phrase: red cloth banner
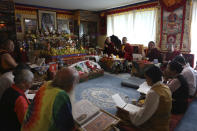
(171,5)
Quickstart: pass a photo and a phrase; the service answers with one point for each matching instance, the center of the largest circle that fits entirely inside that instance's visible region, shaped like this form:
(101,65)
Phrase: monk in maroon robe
(127,49)
(153,52)
(169,56)
(171,53)
(109,47)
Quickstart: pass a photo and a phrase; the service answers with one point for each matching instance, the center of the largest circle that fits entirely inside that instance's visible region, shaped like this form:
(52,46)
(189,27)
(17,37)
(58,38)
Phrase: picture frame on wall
(47,20)
(18,23)
(63,25)
(30,25)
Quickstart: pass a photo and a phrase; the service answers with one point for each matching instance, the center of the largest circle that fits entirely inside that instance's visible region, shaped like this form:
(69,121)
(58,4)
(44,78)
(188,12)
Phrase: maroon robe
(109,48)
(154,54)
(128,52)
(170,55)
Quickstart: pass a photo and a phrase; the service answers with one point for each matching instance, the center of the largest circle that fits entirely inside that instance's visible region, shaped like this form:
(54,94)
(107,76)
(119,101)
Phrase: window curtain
(193,30)
(139,26)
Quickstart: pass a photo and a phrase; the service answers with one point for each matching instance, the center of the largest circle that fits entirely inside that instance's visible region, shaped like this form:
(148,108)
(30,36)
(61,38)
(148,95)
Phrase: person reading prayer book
(154,115)
(178,86)
(51,109)
(188,73)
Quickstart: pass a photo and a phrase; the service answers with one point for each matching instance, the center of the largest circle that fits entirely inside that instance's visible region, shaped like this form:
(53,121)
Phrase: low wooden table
(138,68)
(110,64)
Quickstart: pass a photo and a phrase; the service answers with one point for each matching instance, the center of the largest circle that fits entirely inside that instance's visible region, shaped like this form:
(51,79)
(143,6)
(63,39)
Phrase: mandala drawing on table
(102,97)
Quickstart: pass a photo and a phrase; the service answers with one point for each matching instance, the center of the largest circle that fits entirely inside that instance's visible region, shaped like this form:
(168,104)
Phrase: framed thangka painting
(174,31)
(47,21)
(30,25)
(63,26)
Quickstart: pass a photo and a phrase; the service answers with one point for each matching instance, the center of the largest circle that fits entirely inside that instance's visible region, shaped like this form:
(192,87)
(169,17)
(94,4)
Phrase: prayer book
(39,63)
(91,118)
(83,111)
(30,96)
(144,88)
(120,103)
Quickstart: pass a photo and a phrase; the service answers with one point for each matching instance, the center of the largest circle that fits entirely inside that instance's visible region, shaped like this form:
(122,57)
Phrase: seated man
(7,79)
(127,49)
(109,47)
(117,43)
(171,54)
(7,62)
(51,108)
(154,115)
(179,88)
(13,103)
(188,73)
(153,52)
(121,52)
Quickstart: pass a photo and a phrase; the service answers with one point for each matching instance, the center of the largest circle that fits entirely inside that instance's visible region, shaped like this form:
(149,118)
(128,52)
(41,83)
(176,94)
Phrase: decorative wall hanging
(172,30)
(171,5)
(47,21)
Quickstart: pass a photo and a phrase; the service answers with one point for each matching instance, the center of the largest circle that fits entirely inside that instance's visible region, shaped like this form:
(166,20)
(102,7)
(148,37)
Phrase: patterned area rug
(100,90)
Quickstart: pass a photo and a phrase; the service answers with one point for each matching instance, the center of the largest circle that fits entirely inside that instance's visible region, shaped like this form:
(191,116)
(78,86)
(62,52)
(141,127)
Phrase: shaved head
(65,79)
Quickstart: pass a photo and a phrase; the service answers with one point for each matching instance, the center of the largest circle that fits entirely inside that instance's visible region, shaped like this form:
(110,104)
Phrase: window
(193,30)
(139,26)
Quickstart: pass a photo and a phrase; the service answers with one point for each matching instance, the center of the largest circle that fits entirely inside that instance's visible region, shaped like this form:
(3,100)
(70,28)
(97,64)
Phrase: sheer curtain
(139,26)
(194,30)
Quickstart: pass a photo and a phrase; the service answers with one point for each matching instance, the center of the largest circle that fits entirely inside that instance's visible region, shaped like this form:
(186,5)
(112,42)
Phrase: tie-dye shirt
(50,111)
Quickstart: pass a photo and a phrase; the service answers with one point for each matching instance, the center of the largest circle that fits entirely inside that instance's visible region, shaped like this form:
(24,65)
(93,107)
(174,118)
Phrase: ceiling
(92,5)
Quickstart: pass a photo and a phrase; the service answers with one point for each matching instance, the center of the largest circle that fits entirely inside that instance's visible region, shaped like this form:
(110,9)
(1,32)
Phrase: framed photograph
(63,26)
(47,21)
(30,25)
